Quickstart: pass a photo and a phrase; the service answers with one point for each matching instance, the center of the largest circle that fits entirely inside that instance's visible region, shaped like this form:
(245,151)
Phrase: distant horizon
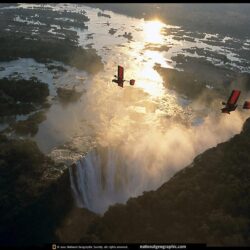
(176,14)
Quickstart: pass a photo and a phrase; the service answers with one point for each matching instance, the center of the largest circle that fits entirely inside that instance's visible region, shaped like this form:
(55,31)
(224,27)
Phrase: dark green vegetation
(35,40)
(207,53)
(230,45)
(56,68)
(112,31)
(21,96)
(235,46)
(44,16)
(34,194)
(68,95)
(63,18)
(207,201)
(127,35)
(74,225)
(43,51)
(103,14)
(25,90)
(29,126)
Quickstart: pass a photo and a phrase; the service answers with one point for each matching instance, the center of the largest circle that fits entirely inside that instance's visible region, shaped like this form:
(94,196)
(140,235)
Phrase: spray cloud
(140,144)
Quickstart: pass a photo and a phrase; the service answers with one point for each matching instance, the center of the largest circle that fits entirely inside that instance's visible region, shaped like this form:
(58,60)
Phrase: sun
(152,31)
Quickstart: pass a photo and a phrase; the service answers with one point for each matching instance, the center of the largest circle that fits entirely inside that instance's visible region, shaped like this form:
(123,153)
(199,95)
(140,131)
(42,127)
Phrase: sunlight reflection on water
(104,101)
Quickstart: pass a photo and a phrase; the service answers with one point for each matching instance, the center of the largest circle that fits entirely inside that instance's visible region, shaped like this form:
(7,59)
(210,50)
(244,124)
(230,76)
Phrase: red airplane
(231,103)
(120,78)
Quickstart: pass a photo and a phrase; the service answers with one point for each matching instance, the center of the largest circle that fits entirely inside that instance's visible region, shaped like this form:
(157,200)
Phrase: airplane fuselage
(119,82)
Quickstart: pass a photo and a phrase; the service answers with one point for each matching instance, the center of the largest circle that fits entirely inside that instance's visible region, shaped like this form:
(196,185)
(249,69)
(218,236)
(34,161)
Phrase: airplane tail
(246,105)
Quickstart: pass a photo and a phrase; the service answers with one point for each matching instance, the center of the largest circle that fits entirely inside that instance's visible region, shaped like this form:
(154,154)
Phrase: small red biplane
(231,103)
(120,78)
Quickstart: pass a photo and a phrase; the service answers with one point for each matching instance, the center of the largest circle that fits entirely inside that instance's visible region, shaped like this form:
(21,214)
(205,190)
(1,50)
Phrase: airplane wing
(120,73)
(233,97)
(246,105)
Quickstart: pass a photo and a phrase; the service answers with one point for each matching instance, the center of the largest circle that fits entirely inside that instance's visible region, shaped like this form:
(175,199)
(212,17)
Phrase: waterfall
(105,177)
(99,180)
(142,160)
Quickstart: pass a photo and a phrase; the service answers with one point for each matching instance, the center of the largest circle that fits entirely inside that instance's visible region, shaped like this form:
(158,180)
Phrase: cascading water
(112,174)
(105,177)
(97,181)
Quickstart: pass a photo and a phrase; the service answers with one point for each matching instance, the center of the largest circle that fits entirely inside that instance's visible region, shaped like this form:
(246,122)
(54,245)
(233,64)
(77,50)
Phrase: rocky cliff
(206,202)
